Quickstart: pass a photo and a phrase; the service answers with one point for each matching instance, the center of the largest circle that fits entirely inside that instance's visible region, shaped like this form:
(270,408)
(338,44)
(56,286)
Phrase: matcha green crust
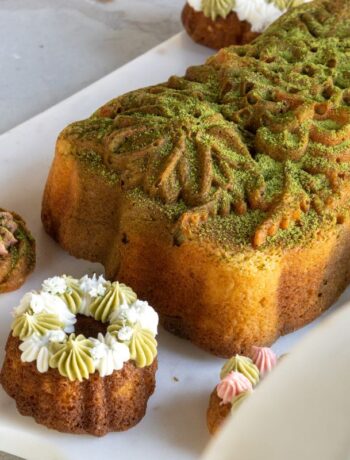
(253,147)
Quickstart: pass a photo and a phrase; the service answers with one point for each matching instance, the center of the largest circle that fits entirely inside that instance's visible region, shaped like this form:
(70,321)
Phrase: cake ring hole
(89,326)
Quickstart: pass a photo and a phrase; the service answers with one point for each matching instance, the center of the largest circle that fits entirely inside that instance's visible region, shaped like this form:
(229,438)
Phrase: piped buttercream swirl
(244,365)
(73,358)
(116,295)
(239,399)
(264,358)
(67,288)
(232,385)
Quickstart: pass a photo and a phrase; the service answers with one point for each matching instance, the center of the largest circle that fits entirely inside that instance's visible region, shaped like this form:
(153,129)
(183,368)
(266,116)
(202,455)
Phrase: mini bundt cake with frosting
(220,23)
(82,355)
(239,376)
(17,251)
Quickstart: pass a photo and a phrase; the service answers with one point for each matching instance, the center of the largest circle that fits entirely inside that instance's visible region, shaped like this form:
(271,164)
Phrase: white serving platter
(175,424)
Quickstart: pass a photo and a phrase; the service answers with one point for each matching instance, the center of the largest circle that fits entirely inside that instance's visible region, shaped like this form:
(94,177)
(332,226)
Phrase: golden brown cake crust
(219,33)
(216,413)
(16,266)
(95,406)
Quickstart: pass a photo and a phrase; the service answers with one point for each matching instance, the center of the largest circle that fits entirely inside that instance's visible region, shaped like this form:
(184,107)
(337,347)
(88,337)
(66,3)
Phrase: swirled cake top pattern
(258,138)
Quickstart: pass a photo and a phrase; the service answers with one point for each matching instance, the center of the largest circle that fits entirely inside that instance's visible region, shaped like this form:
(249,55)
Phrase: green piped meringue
(141,342)
(115,296)
(27,324)
(143,347)
(73,296)
(239,399)
(215,8)
(244,365)
(73,358)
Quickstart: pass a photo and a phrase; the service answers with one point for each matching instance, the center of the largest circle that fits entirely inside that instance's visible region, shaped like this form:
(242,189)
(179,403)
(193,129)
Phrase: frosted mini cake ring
(44,322)
(221,23)
(259,13)
(82,355)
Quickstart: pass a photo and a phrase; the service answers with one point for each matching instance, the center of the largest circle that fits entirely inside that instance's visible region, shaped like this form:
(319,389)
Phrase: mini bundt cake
(221,23)
(239,376)
(81,357)
(222,197)
(17,251)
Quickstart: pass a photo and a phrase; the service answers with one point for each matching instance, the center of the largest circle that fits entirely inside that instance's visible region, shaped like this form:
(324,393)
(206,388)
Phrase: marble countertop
(52,48)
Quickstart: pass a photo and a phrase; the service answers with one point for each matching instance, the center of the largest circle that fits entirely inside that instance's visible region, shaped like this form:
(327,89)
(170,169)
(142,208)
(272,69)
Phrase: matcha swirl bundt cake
(17,251)
(82,355)
(222,197)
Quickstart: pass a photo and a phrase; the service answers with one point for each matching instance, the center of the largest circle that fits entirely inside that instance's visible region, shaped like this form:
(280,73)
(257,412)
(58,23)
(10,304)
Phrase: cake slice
(222,197)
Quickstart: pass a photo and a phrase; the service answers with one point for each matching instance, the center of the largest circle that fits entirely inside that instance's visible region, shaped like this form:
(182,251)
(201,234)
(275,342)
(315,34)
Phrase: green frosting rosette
(73,358)
(239,399)
(115,296)
(143,347)
(217,8)
(244,365)
(29,323)
(73,296)
(141,342)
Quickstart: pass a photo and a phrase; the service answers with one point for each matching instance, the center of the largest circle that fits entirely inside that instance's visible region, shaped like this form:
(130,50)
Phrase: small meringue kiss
(232,385)
(264,359)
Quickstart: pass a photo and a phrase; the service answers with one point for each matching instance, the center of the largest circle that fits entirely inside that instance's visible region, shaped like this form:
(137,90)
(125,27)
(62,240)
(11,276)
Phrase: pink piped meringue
(232,385)
(264,359)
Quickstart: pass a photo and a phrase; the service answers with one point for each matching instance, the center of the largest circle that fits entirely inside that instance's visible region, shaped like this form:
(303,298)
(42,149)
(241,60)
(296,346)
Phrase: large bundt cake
(222,197)
(81,357)
(17,251)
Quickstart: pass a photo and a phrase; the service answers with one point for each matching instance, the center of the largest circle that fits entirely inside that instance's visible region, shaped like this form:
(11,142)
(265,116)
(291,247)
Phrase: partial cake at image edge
(222,196)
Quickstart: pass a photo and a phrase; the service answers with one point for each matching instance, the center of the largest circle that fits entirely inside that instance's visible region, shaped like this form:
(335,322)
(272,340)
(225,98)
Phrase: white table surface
(49,49)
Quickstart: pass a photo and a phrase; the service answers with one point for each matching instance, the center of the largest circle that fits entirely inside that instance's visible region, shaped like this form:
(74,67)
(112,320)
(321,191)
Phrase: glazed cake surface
(222,196)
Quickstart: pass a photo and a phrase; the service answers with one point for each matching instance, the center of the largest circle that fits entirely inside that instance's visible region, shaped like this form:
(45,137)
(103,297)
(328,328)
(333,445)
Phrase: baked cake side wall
(80,208)
(313,277)
(222,305)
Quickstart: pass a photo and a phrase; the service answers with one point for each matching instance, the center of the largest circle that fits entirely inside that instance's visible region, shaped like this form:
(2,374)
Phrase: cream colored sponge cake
(222,197)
